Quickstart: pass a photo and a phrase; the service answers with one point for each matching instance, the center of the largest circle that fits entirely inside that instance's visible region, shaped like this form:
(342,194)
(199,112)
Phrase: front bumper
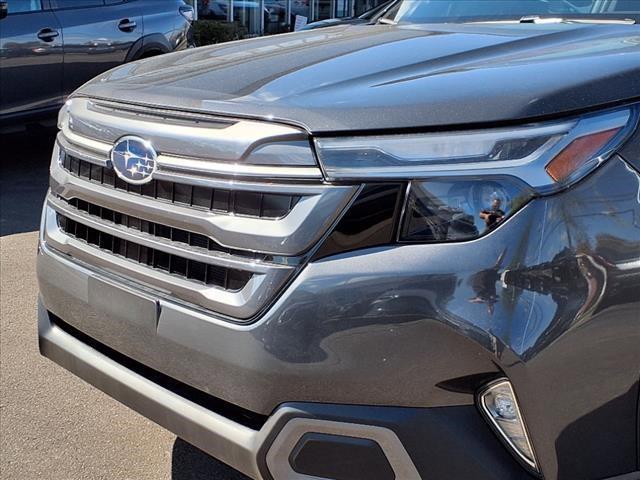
(411,331)
(446,442)
(131,344)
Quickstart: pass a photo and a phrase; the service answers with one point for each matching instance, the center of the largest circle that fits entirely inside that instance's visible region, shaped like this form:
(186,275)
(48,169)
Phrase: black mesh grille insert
(251,204)
(229,279)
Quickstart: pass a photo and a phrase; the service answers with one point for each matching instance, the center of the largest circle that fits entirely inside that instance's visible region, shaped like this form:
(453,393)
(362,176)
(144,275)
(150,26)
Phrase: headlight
(187,12)
(546,157)
(460,209)
(461,185)
(64,115)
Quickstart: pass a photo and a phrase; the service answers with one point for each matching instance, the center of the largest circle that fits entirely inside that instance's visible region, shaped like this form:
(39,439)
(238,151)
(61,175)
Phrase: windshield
(436,11)
(374,12)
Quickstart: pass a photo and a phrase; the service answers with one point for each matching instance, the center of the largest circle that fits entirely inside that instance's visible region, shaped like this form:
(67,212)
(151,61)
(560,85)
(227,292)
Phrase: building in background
(265,17)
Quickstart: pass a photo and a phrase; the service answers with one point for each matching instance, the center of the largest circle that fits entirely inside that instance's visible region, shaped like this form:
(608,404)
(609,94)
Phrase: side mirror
(4,9)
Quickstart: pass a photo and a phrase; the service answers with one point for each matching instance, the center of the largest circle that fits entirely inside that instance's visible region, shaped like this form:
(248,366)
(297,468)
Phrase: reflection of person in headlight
(493,215)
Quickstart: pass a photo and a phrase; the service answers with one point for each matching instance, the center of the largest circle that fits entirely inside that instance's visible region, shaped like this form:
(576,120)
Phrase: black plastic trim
(444,443)
(340,458)
(370,221)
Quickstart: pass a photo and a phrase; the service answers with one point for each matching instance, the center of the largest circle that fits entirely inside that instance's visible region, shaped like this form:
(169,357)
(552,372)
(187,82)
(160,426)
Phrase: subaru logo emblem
(134,160)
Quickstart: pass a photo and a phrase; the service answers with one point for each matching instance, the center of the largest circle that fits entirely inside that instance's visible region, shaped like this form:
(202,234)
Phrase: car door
(97,36)
(31,56)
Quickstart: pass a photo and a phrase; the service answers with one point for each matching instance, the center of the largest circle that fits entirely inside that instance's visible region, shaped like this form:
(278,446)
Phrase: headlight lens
(524,152)
(188,12)
(64,116)
(460,209)
(461,185)
(414,155)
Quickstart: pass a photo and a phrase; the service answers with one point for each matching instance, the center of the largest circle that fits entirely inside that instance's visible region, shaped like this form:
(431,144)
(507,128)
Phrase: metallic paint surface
(382,77)
(24,55)
(459,429)
(93,43)
(550,299)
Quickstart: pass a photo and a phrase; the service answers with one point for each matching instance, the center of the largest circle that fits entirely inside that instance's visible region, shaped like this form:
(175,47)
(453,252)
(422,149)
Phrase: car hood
(381,77)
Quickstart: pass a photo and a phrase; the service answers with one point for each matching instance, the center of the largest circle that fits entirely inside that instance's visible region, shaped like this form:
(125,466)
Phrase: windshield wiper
(542,20)
(549,20)
(386,21)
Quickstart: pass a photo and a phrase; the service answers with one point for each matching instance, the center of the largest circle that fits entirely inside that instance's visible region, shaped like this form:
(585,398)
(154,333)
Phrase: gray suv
(401,250)
(48,48)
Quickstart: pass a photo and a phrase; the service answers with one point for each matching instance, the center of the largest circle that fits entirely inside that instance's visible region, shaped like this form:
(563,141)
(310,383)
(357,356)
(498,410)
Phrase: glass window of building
(322,9)
(301,8)
(248,13)
(362,6)
(276,17)
(268,17)
(213,10)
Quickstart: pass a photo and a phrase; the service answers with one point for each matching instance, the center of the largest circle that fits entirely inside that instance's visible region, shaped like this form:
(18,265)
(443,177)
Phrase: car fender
(147,43)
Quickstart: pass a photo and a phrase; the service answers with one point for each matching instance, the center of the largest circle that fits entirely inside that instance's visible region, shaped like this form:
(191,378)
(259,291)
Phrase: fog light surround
(499,405)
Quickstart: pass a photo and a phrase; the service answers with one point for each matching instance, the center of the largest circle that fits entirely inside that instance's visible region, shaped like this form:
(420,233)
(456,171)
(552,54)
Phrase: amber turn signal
(577,154)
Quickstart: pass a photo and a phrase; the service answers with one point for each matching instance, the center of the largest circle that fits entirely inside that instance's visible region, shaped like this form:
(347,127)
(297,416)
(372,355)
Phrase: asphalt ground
(53,425)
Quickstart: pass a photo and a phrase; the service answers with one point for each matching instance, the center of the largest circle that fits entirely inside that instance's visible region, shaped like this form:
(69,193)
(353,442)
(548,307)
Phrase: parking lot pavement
(54,426)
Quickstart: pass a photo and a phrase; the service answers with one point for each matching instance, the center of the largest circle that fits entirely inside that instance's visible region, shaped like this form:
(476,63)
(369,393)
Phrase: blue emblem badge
(134,160)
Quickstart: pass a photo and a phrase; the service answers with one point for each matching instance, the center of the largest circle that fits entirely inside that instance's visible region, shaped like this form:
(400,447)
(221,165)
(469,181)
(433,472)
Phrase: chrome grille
(225,278)
(233,211)
(159,230)
(251,204)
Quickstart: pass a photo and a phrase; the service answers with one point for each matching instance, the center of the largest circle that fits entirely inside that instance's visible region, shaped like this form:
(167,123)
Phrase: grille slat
(158,230)
(226,278)
(252,204)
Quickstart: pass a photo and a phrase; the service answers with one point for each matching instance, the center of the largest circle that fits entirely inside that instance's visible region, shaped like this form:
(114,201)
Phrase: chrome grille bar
(168,164)
(159,243)
(196,140)
(98,152)
(175,264)
(223,200)
(156,229)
